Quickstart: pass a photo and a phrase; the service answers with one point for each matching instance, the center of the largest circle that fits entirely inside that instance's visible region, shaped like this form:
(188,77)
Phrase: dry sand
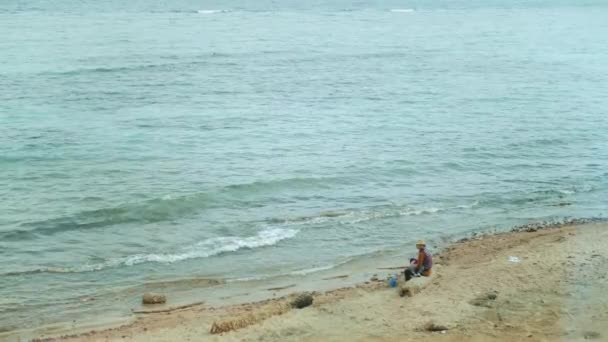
(557,291)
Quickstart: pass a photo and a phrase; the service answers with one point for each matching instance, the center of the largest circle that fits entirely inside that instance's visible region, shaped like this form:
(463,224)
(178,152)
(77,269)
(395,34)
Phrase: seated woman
(422,265)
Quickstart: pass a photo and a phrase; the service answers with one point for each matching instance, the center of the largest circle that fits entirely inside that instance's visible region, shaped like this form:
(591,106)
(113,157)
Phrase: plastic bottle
(393,281)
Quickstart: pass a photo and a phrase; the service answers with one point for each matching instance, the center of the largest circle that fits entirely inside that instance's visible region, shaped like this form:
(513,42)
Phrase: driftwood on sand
(247,319)
(273,309)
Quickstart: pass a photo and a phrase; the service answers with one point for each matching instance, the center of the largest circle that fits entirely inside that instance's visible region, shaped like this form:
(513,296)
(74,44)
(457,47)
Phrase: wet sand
(537,285)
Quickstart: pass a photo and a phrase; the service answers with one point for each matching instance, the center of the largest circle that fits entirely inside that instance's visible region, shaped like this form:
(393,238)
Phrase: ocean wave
(245,279)
(316,269)
(305,183)
(577,189)
(402,10)
(350,216)
(184,283)
(156,210)
(117,69)
(166,208)
(537,142)
(212,11)
(423,211)
(331,213)
(299,272)
(203,249)
(537,196)
(468,206)
(370,215)
(37,270)
(150,67)
(215,246)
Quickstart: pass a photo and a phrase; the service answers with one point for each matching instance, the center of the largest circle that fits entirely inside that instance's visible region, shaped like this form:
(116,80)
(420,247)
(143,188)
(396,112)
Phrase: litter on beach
(514,259)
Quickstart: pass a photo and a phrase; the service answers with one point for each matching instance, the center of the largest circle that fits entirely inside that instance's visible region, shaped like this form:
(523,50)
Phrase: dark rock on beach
(432,326)
(301,301)
(485,300)
(153,298)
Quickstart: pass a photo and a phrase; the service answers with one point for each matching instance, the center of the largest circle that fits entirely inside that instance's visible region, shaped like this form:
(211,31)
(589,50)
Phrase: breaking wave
(211,11)
(216,246)
(203,249)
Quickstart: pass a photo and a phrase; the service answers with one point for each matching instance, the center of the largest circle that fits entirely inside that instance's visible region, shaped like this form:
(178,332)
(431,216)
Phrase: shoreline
(179,322)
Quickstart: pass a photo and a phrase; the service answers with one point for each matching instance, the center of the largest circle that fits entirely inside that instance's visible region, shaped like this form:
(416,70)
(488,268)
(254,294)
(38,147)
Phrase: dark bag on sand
(409,274)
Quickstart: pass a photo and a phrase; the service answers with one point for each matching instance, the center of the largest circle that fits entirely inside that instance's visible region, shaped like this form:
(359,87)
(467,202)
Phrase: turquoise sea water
(240,141)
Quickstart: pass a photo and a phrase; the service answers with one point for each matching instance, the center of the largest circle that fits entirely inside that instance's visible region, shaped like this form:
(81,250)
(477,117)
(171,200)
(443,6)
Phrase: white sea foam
(577,189)
(468,206)
(368,215)
(313,270)
(243,279)
(300,272)
(415,212)
(203,249)
(211,11)
(402,10)
(567,192)
(215,246)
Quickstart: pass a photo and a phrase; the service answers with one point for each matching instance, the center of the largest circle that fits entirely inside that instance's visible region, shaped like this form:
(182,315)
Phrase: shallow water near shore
(203,150)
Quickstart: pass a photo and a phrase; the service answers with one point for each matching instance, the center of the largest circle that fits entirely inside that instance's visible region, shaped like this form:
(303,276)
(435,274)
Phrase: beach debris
(219,327)
(434,327)
(485,300)
(374,278)
(301,301)
(514,259)
(591,335)
(392,282)
(153,298)
(247,319)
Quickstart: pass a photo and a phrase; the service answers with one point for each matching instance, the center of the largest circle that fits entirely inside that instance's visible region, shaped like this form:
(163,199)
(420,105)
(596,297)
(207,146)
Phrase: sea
(201,148)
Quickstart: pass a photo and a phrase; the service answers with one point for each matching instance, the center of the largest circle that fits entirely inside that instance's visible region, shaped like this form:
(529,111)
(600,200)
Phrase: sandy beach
(537,285)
